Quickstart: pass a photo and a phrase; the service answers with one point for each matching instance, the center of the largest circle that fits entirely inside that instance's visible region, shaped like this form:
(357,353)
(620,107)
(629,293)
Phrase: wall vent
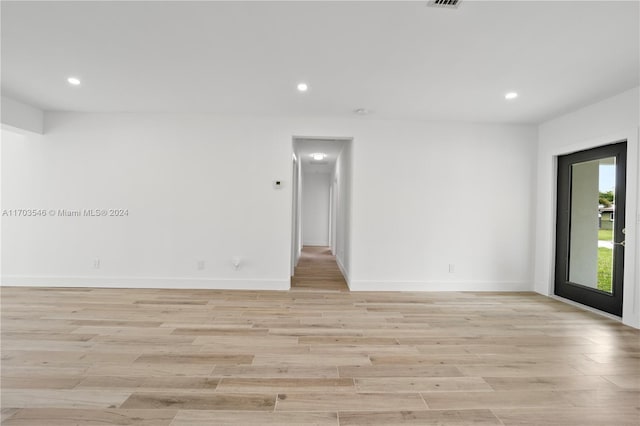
(451,4)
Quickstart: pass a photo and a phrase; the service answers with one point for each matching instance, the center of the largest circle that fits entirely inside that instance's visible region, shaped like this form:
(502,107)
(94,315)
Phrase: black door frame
(607,302)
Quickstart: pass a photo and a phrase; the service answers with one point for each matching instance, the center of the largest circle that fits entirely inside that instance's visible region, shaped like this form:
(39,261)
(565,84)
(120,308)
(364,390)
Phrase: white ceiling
(399,59)
(304,147)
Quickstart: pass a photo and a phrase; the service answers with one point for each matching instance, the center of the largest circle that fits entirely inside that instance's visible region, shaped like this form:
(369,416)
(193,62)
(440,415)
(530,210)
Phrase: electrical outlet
(200,265)
(235,261)
(96,263)
(452,268)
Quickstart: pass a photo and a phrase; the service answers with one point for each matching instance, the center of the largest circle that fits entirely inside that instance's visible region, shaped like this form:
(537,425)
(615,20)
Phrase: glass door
(590,229)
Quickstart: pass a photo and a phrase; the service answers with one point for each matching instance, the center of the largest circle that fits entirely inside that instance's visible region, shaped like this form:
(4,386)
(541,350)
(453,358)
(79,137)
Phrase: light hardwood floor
(318,270)
(311,356)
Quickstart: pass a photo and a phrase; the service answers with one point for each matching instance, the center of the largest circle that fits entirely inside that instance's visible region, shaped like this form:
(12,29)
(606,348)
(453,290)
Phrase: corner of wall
(345,272)
(20,117)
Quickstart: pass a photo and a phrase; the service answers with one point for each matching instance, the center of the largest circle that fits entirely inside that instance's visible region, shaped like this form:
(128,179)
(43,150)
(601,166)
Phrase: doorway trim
(546,228)
(296,246)
(577,277)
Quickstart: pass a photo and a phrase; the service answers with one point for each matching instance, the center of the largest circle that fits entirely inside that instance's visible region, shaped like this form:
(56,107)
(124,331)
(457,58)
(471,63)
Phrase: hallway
(317,270)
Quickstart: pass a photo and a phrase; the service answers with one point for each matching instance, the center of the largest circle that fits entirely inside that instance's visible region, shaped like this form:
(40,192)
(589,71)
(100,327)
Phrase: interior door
(590,228)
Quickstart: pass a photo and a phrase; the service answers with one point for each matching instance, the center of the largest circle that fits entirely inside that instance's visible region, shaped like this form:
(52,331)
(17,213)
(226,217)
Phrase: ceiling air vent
(451,4)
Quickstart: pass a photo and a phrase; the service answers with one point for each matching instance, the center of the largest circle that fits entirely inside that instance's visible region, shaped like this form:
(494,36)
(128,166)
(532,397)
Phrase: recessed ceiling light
(362,111)
(318,156)
(511,95)
(73,81)
(302,87)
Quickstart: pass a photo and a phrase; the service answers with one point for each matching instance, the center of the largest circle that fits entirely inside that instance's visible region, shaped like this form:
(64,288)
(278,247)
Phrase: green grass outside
(605,268)
(605,235)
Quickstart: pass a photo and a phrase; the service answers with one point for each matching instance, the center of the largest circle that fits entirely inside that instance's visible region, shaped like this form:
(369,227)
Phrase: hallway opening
(317,270)
(320,212)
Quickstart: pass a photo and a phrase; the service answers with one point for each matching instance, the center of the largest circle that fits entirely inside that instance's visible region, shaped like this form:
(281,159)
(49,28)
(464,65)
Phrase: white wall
(416,198)
(196,188)
(343,207)
(608,121)
(435,194)
(315,209)
(20,116)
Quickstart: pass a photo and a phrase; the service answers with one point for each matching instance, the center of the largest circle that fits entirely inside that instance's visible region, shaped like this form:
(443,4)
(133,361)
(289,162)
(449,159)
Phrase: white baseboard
(631,320)
(254,284)
(586,308)
(315,243)
(440,286)
(144,282)
(344,271)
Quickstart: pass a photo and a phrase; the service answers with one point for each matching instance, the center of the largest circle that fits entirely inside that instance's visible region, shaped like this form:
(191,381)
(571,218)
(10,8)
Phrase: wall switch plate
(96,263)
(200,265)
(452,268)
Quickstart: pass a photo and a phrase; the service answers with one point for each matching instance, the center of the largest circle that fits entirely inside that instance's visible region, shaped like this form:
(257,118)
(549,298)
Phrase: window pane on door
(591,226)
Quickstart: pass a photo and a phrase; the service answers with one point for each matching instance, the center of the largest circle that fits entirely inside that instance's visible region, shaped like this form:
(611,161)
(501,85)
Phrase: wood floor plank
(116,323)
(150,369)
(309,359)
(282,385)
(630,382)
(120,330)
(236,418)
(421,384)
(62,398)
(201,358)
(582,416)
(604,398)
(88,417)
(406,359)
(42,336)
(271,371)
(43,371)
(420,418)
(140,348)
(247,349)
(250,341)
(548,383)
(497,399)
(142,340)
(540,369)
(613,368)
(62,358)
(348,340)
(189,401)
(349,401)
(400,371)
(133,383)
(5,413)
(40,382)
(221,331)
(369,350)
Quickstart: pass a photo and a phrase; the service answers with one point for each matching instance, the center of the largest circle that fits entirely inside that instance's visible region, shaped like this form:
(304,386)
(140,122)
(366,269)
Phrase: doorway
(590,228)
(321,203)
